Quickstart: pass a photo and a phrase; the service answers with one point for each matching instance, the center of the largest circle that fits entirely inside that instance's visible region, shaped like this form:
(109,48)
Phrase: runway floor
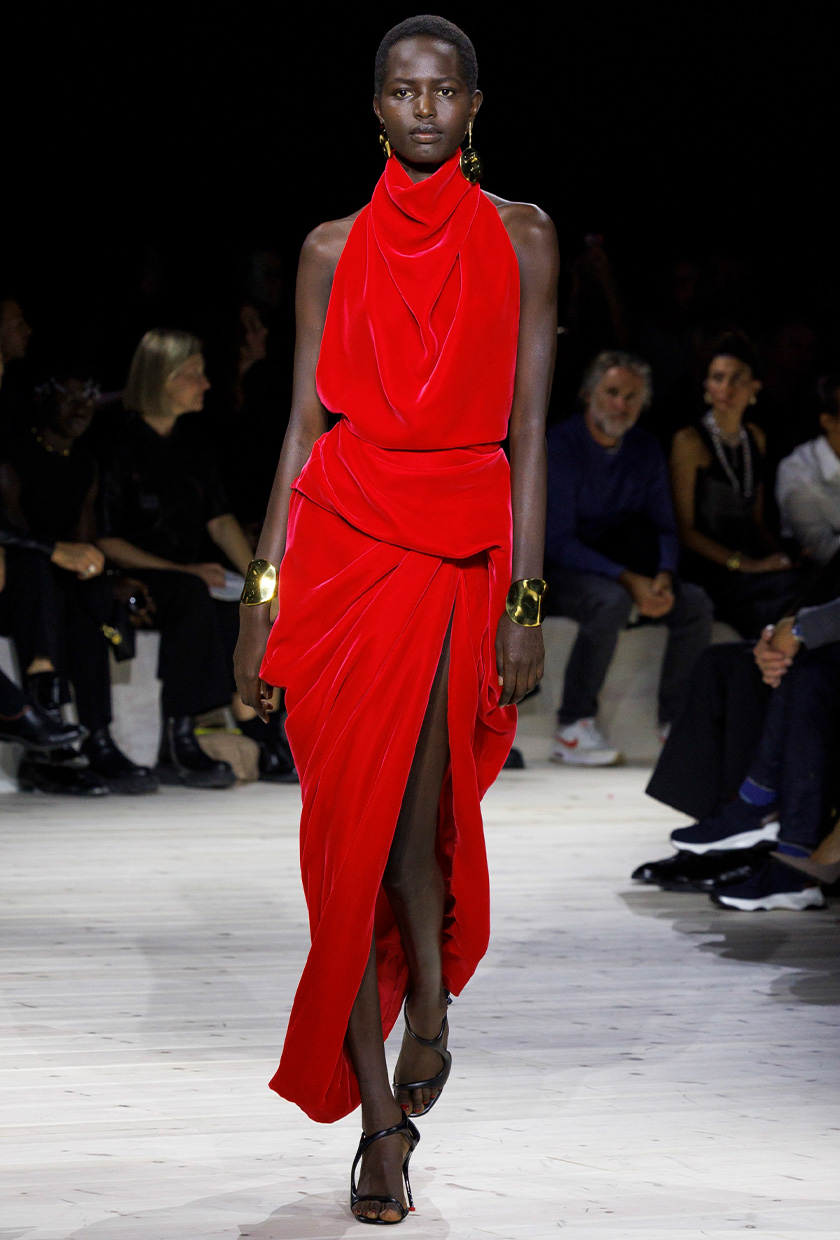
(627,1064)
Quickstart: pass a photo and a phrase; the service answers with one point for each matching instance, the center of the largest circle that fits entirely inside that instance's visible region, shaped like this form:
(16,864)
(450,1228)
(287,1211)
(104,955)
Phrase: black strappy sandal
(406,1129)
(434,1044)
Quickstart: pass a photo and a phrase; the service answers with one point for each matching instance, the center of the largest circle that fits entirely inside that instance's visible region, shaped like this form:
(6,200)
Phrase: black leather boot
(40,774)
(116,771)
(33,728)
(61,772)
(277,766)
(183,761)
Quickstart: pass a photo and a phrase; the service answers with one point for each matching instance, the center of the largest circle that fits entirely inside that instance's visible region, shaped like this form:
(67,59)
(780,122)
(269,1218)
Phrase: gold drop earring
(470,160)
(383,141)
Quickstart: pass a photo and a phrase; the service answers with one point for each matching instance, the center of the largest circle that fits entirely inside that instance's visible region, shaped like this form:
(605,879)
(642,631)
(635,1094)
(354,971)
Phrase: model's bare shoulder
(531,230)
(323,246)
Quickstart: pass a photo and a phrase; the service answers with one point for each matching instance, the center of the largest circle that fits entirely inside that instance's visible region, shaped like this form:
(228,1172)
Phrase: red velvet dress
(399,521)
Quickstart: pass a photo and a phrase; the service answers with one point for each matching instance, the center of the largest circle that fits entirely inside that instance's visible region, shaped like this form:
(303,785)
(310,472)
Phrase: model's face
(425,104)
(730,386)
(614,405)
(14,330)
(187,386)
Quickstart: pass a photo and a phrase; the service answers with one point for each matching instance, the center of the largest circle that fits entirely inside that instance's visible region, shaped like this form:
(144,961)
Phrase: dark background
(146,145)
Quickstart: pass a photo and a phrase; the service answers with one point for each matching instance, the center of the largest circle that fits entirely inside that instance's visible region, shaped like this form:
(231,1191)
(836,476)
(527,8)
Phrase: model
(427,321)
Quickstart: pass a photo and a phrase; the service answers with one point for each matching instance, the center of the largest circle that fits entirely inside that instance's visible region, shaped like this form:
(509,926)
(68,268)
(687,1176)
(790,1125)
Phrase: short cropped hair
(158,356)
(608,360)
(436,28)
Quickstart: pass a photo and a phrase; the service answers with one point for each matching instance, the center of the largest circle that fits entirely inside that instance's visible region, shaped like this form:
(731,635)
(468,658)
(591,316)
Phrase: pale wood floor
(628,1064)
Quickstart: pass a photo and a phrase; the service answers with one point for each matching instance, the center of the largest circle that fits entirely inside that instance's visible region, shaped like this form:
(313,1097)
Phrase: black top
(723,511)
(53,487)
(159,492)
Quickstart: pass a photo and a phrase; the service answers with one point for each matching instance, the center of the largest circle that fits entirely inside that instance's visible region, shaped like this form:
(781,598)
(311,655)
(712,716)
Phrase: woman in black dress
(717,475)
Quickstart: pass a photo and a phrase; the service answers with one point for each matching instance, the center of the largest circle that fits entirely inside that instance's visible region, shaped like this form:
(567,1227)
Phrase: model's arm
(307,422)
(520,652)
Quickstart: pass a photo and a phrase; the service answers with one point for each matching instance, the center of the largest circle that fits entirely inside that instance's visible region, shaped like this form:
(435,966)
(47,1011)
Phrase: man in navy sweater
(612,551)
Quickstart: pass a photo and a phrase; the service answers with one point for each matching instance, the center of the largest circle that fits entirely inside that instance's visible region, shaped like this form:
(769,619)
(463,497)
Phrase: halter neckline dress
(399,522)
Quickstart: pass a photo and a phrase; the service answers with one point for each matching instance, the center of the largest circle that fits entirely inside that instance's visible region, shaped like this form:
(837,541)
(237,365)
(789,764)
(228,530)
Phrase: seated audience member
(611,545)
(161,501)
(751,757)
(717,471)
(246,406)
(14,341)
(48,487)
(808,483)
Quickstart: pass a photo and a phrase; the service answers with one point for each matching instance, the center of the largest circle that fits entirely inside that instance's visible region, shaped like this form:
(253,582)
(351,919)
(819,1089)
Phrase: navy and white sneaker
(736,826)
(774,886)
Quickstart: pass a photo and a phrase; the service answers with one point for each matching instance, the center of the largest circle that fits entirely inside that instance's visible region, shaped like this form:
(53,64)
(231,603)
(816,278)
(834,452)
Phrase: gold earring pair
(383,141)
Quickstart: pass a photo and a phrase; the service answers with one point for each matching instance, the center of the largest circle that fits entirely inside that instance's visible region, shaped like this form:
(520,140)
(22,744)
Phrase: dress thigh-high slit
(358,688)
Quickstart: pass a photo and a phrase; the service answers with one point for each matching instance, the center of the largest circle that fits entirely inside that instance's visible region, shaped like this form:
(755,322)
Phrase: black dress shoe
(114,769)
(514,761)
(65,779)
(277,766)
(35,729)
(685,871)
(183,761)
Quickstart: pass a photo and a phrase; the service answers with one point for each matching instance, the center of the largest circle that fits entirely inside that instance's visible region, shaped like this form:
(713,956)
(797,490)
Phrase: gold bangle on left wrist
(260,584)
(525,602)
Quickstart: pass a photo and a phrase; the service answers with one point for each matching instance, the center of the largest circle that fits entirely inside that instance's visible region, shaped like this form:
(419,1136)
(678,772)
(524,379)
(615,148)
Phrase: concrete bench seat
(628,702)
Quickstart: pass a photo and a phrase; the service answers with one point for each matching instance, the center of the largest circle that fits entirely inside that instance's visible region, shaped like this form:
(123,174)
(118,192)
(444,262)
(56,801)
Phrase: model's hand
(653,600)
(254,628)
(213,575)
(82,559)
(776,563)
(773,661)
(520,659)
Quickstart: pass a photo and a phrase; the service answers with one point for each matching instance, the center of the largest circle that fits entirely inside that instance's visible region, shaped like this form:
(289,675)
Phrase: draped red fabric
(399,523)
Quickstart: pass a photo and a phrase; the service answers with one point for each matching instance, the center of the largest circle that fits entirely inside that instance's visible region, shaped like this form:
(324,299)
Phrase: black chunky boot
(33,728)
(277,765)
(117,772)
(183,761)
(61,772)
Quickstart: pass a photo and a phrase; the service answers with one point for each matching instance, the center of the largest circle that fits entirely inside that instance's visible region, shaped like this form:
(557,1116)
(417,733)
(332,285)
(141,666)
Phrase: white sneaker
(581,744)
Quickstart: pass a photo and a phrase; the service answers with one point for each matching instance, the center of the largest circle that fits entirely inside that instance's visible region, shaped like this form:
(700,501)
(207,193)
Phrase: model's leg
(381,1167)
(415,889)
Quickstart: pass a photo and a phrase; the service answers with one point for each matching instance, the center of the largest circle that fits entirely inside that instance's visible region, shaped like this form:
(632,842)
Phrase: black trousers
(713,740)
(734,726)
(27,606)
(12,700)
(197,637)
(66,627)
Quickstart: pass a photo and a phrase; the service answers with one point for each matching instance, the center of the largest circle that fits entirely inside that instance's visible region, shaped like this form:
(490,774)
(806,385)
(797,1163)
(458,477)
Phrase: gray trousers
(601,607)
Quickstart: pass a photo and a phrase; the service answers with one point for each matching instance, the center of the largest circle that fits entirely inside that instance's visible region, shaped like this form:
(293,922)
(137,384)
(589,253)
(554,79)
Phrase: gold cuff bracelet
(260,583)
(525,600)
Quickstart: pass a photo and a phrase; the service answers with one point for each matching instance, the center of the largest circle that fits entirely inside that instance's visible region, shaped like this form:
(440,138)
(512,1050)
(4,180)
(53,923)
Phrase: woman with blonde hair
(162,502)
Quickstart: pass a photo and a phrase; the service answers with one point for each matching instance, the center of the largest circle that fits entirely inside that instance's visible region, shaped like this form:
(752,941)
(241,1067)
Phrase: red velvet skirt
(356,645)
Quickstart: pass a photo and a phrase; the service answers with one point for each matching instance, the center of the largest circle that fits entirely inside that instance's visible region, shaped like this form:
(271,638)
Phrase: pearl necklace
(716,436)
